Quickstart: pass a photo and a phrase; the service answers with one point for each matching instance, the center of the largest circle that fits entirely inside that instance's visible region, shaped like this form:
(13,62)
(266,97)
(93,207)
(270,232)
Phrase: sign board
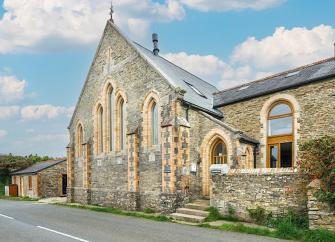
(219,169)
(193,167)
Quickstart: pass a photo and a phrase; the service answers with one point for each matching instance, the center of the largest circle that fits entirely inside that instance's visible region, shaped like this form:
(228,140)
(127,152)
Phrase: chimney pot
(155,42)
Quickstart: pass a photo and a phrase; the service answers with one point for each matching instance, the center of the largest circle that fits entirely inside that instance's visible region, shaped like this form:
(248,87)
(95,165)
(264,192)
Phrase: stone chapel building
(145,131)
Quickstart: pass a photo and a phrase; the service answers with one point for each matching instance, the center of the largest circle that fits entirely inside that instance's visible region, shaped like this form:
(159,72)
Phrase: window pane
(111,121)
(286,154)
(280,109)
(101,132)
(154,124)
(122,124)
(280,126)
(273,156)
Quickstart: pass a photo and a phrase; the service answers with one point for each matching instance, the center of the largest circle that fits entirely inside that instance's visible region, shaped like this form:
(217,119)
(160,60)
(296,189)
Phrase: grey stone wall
(51,180)
(320,214)
(275,190)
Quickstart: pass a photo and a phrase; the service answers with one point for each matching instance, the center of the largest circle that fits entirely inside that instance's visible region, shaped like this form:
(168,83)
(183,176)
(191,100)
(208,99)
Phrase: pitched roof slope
(198,92)
(300,76)
(38,167)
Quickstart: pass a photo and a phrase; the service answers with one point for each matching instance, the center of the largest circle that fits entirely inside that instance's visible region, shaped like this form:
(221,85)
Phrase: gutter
(216,115)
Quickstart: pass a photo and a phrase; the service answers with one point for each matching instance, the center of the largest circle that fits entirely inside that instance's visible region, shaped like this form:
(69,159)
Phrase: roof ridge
(278,74)
(177,66)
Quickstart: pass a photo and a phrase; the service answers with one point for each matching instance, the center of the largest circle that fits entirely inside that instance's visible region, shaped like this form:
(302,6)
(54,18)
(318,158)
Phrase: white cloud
(286,47)
(43,112)
(213,69)
(254,59)
(11,89)
(228,5)
(3,133)
(8,111)
(30,24)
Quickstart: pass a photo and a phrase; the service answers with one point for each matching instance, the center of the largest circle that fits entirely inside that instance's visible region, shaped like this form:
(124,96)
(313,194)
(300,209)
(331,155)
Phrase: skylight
(292,74)
(196,90)
(243,88)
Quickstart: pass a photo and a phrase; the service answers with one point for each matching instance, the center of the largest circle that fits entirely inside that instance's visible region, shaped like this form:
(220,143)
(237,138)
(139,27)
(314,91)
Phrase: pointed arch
(206,153)
(109,94)
(151,119)
(120,121)
(79,140)
(99,129)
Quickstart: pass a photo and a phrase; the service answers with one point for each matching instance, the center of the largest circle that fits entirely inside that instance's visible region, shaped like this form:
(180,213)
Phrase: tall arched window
(79,141)
(280,135)
(154,124)
(111,118)
(100,137)
(219,153)
(120,124)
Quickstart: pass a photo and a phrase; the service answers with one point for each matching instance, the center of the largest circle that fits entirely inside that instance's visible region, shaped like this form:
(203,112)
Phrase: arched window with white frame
(280,135)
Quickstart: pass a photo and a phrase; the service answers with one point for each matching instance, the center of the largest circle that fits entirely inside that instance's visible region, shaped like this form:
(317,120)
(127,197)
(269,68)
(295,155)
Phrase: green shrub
(213,215)
(231,211)
(318,235)
(259,215)
(148,210)
(287,230)
(318,162)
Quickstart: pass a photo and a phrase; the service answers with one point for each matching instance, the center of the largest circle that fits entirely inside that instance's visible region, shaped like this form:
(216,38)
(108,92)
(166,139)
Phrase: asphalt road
(28,221)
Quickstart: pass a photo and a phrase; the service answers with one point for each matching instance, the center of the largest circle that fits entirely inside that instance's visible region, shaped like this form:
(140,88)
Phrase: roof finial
(112,12)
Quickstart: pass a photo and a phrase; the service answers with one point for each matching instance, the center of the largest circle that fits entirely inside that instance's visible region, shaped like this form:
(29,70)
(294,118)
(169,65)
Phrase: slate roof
(181,78)
(38,167)
(282,81)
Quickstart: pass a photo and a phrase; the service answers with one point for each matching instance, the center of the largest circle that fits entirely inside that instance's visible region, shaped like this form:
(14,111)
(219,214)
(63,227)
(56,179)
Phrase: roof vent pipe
(155,42)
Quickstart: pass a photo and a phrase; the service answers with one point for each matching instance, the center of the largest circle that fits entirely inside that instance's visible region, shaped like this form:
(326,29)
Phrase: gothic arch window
(110,117)
(219,152)
(151,120)
(154,123)
(79,141)
(120,123)
(100,129)
(280,135)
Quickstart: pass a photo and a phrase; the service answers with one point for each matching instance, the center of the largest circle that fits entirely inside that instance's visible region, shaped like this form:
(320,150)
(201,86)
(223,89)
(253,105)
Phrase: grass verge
(160,218)
(285,230)
(18,198)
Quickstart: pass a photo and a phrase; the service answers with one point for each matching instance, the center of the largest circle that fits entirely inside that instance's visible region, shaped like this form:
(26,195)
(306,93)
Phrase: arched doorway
(216,148)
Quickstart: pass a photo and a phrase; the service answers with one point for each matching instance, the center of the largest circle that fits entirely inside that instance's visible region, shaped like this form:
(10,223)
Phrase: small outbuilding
(43,179)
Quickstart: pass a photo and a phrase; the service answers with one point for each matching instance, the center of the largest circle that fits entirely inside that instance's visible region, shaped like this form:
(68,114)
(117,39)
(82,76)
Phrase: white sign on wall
(194,167)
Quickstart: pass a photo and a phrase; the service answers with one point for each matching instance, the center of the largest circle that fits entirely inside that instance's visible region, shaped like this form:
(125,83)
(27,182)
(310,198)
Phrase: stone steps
(192,212)
(196,206)
(188,218)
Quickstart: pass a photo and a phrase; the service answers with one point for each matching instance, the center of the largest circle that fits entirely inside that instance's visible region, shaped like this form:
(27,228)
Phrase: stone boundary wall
(320,215)
(275,190)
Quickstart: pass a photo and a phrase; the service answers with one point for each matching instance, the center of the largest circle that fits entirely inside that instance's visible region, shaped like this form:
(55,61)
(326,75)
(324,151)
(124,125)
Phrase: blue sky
(46,48)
